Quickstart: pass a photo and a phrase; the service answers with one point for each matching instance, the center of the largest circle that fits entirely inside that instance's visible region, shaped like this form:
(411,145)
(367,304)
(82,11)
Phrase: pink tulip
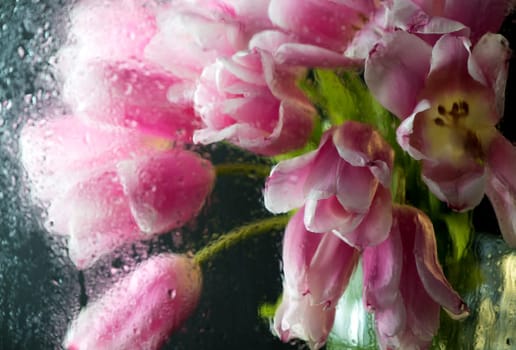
(106,186)
(429,20)
(343,185)
(253,103)
(320,30)
(450,98)
(251,14)
(193,34)
(460,17)
(132,94)
(107,79)
(404,283)
(317,268)
(324,23)
(141,310)
(115,30)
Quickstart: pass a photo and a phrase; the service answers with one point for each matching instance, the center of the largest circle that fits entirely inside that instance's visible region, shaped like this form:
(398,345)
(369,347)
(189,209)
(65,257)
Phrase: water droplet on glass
(21,52)
(172,293)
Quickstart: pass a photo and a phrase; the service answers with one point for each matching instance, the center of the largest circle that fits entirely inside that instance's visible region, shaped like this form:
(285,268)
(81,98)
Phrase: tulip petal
(360,145)
(461,187)
(296,318)
(422,312)
(293,129)
(501,186)
(410,17)
(382,265)
(58,152)
(429,269)
(284,189)
(321,182)
(283,79)
(117,30)
(326,215)
(299,247)
(190,38)
(492,54)
(95,215)
(356,187)
(306,55)
(270,40)
(375,225)
(406,129)
(421,285)
(451,53)
(391,320)
(166,190)
(324,23)
(130,94)
(395,78)
(330,270)
(466,11)
(317,268)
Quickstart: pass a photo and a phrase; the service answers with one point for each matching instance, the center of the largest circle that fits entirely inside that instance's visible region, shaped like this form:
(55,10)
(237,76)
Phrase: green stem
(261,170)
(240,234)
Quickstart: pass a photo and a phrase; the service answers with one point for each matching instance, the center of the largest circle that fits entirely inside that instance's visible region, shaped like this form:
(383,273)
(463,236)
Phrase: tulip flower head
(107,79)
(253,103)
(193,34)
(141,310)
(450,98)
(105,187)
(317,268)
(404,285)
(343,185)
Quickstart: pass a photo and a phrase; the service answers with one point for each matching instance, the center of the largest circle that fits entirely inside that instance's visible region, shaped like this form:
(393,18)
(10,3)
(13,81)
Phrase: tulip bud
(141,310)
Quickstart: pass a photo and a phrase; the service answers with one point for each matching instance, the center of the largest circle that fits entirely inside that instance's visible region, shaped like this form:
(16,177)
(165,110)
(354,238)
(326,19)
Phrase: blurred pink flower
(450,98)
(253,103)
(253,15)
(193,34)
(106,186)
(344,185)
(317,268)
(323,29)
(114,30)
(107,79)
(141,310)
(404,283)
(132,94)
(323,23)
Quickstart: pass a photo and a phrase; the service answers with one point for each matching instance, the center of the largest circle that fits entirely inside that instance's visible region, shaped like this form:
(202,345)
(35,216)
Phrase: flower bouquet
(375,124)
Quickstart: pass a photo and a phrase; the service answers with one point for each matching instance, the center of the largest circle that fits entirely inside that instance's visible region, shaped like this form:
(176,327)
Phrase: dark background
(40,290)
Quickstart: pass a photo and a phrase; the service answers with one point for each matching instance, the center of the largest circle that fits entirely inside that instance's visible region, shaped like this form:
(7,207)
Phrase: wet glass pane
(47,278)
